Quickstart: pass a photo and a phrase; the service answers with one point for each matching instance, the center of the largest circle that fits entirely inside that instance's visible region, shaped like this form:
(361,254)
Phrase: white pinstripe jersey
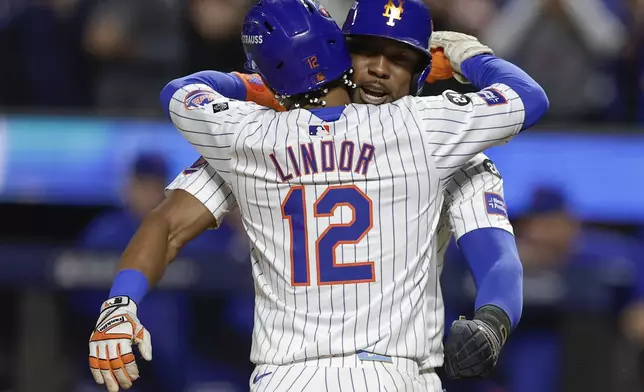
(341,215)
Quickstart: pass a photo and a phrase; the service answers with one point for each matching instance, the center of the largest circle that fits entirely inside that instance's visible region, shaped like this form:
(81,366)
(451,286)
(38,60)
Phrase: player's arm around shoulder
(459,126)
(177,220)
(485,237)
(189,101)
(196,104)
(207,119)
(500,81)
(237,86)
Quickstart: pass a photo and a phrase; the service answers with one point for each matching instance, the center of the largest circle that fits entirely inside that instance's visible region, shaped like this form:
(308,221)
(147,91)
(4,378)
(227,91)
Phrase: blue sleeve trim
(226,84)
(485,70)
(493,259)
(131,283)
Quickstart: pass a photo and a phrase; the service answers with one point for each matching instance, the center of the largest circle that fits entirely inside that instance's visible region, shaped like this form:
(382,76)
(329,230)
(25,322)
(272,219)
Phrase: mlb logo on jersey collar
(319,130)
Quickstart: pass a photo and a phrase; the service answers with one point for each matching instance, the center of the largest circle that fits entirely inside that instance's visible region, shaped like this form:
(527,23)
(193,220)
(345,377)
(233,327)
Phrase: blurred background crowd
(85,154)
(113,55)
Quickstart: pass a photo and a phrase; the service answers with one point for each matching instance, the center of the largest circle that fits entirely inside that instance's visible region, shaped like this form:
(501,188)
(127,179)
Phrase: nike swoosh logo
(260,376)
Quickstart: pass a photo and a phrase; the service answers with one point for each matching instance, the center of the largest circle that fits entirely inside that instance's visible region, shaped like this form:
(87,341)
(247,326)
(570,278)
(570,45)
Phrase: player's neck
(338,96)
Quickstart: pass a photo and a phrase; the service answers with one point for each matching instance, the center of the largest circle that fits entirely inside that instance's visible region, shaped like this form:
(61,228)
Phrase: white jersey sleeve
(207,186)
(474,198)
(459,126)
(212,123)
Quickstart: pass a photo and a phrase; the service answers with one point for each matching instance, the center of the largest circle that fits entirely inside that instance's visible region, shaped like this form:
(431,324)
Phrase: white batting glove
(458,47)
(111,359)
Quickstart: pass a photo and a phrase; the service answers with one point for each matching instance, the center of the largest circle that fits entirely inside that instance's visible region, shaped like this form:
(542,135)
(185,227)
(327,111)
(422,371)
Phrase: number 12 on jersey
(329,271)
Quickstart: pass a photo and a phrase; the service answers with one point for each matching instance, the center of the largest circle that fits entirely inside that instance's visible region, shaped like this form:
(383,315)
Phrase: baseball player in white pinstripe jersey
(346,304)
(466,208)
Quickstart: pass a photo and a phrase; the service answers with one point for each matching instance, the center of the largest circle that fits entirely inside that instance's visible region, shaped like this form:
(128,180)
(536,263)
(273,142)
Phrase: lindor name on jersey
(320,157)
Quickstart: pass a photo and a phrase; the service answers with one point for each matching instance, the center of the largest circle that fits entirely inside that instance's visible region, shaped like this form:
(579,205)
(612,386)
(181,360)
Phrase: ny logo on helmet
(393,12)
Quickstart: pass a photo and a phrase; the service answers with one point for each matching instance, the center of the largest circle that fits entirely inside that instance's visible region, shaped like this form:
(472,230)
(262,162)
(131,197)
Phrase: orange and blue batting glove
(111,358)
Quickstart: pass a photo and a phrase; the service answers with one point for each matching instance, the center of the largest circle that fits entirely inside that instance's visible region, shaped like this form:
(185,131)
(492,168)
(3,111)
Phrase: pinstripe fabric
(429,381)
(209,188)
(466,201)
(355,377)
(418,147)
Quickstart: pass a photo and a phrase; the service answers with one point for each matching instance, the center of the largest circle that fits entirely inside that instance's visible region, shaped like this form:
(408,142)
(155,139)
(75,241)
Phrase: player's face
(383,69)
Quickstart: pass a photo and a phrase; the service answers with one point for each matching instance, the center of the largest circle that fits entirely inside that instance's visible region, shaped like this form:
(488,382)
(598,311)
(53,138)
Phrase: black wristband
(496,318)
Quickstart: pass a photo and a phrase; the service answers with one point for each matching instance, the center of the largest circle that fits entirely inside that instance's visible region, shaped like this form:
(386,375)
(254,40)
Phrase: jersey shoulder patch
(490,167)
(457,99)
(219,107)
(492,97)
(495,204)
(198,99)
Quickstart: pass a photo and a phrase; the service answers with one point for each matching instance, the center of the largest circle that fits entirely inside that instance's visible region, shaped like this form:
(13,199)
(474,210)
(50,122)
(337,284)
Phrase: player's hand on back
(458,47)
(473,346)
(111,359)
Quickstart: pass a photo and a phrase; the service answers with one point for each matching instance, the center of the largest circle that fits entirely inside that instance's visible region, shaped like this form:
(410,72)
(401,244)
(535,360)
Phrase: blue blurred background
(85,154)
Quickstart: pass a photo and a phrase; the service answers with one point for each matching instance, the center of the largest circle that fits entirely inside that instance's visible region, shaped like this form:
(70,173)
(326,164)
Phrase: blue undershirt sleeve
(485,70)
(493,259)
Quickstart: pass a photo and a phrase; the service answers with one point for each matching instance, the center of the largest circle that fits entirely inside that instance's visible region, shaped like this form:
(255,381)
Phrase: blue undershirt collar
(328,114)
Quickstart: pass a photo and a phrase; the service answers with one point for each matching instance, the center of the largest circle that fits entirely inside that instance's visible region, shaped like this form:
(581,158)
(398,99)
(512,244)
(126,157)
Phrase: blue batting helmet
(294,45)
(406,21)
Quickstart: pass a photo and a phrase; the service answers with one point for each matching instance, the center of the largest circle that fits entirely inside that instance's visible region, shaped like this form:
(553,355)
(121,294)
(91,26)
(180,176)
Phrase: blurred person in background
(213,28)
(338,9)
(633,316)
(629,67)
(136,46)
(571,271)
(169,311)
(552,38)
(143,190)
(632,321)
(41,51)
(468,16)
